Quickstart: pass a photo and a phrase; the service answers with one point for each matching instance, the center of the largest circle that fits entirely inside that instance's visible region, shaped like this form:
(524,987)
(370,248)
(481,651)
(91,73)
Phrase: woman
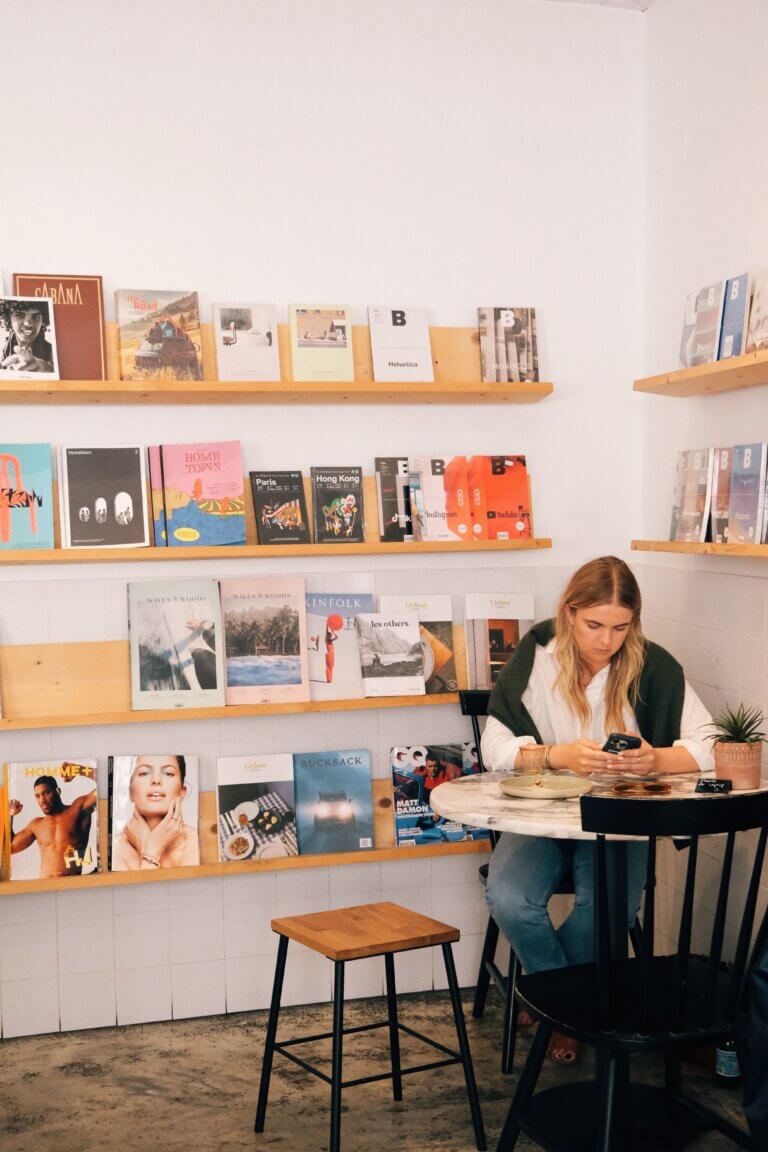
(156,836)
(570,683)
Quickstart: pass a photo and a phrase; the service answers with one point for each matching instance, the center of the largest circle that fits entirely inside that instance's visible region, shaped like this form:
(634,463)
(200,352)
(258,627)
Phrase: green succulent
(739,727)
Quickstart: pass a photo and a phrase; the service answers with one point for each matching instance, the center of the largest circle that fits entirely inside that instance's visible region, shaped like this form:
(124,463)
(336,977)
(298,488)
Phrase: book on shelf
(78,309)
(334,805)
(53,825)
(700,339)
(337,505)
(102,497)
(394,499)
(435,615)
(400,347)
(333,647)
(280,508)
(157,496)
(416,771)
(439,490)
(203,493)
(508,345)
(692,518)
(265,628)
(26,496)
(733,330)
(153,812)
(747,502)
(391,659)
(247,345)
(499,497)
(176,644)
(158,335)
(492,631)
(255,807)
(721,495)
(757,332)
(321,344)
(28,348)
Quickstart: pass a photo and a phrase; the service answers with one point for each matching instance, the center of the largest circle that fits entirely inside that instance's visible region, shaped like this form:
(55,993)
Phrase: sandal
(563,1049)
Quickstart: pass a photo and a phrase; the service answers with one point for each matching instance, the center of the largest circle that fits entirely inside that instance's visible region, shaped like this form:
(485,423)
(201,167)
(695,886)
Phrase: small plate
(545,787)
(245,812)
(239,845)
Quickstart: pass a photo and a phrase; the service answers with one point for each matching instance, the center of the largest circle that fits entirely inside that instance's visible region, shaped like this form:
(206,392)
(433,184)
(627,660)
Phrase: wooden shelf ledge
(756,550)
(748,371)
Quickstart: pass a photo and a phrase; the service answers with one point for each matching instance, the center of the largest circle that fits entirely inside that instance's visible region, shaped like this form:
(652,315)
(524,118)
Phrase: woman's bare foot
(564,1049)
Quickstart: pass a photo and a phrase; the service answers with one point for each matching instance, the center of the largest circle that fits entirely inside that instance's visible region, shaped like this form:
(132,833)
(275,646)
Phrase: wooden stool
(351,934)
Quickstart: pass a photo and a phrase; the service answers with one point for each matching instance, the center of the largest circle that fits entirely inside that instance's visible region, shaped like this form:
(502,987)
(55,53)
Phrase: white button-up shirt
(558,724)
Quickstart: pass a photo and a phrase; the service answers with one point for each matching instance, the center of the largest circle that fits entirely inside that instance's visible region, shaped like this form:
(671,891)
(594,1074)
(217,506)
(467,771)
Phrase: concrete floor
(191,1085)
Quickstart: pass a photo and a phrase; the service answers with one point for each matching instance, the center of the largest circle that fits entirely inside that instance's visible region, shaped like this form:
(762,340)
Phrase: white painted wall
(448,153)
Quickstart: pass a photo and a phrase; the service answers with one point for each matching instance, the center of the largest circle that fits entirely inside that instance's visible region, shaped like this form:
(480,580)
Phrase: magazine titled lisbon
(176,644)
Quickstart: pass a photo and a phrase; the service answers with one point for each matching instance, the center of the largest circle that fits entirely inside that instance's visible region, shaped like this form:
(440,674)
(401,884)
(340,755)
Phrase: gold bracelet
(547,762)
(151,860)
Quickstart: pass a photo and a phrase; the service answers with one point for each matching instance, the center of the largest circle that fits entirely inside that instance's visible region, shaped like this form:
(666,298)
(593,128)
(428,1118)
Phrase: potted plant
(738,741)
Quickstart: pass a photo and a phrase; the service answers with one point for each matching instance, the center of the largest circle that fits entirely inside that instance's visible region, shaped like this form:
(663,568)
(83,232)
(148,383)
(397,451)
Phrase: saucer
(545,787)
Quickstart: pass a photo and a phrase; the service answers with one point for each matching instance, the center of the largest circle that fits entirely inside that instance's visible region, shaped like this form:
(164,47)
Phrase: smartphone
(620,742)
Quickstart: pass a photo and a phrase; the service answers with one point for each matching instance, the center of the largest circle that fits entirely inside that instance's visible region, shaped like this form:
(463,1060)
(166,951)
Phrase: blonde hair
(606,580)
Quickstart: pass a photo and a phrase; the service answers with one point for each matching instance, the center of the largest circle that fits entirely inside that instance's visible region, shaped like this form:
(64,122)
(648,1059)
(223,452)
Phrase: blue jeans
(526,870)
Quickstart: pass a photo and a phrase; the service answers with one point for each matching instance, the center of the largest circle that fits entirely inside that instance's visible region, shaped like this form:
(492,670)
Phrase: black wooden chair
(652,1004)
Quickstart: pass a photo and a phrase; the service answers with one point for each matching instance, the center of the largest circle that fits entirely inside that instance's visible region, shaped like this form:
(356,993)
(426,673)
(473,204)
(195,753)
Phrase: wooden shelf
(757,550)
(455,353)
(749,371)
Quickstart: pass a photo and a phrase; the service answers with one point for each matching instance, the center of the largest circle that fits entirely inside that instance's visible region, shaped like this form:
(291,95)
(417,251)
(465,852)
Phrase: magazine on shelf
(492,631)
(337,505)
(280,507)
(721,494)
(102,497)
(435,615)
(499,497)
(246,341)
(394,499)
(158,335)
(400,346)
(149,793)
(733,331)
(26,496)
(748,475)
(78,310)
(416,770)
(203,493)
(255,806)
(333,647)
(28,349)
(53,818)
(176,643)
(321,344)
(391,657)
(508,344)
(439,490)
(696,467)
(757,333)
(157,496)
(265,629)
(701,326)
(334,805)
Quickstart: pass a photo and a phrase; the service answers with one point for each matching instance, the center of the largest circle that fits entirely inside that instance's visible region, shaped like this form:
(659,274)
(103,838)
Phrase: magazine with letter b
(26,496)
(499,497)
(416,770)
(255,805)
(733,331)
(391,657)
(394,499)
(176,643)
(334,651)
(492,631)
(400,346)
(153,812)
(435,614)
(334,806)
(747,498)
(439,489)
(508,345)
(102,494)
(53,815)
(264,630)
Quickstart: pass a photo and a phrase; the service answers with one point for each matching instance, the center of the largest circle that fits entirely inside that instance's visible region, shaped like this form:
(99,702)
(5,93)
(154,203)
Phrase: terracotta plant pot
(739,763)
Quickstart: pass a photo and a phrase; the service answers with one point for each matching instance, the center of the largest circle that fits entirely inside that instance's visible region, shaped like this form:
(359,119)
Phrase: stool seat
(365,930)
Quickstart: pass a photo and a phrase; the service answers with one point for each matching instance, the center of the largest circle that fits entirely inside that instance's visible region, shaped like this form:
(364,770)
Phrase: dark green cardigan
(659,706)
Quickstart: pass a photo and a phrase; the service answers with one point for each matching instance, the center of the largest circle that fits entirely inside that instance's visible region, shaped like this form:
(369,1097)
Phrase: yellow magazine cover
(321,344)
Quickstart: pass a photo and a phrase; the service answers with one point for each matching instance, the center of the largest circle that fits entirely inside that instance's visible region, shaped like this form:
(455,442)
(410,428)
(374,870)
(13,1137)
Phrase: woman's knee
(509,899)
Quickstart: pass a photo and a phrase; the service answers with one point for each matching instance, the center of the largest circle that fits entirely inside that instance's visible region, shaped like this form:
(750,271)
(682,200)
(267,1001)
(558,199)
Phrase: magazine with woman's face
(154,812)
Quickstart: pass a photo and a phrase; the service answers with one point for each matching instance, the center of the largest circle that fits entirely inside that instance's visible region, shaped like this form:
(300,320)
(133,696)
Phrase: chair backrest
(474,703)
(712,998)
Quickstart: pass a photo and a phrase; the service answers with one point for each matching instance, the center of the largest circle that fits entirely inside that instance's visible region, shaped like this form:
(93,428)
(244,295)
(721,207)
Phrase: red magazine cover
(499,485)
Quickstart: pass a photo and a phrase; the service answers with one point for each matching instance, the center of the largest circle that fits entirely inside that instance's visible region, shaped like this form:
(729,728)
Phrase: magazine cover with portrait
(416,771)
(153,812)
(176,644)
(53,815)
(27,339)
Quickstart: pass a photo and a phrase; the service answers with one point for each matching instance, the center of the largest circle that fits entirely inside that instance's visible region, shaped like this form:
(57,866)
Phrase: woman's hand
(136,832)
(638,761)
(164,834)
(582,757)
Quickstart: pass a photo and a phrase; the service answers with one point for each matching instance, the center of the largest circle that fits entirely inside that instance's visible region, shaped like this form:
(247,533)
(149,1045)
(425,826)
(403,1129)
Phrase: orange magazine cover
(499,486)
(78,311)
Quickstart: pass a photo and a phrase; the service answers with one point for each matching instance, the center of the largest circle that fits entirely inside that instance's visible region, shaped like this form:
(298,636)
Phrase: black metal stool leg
(526,1086)
(338,1037)
(484,976)
(607,1084)
(466,1058)
(269,1044)
(394,1035)
(510,1015)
